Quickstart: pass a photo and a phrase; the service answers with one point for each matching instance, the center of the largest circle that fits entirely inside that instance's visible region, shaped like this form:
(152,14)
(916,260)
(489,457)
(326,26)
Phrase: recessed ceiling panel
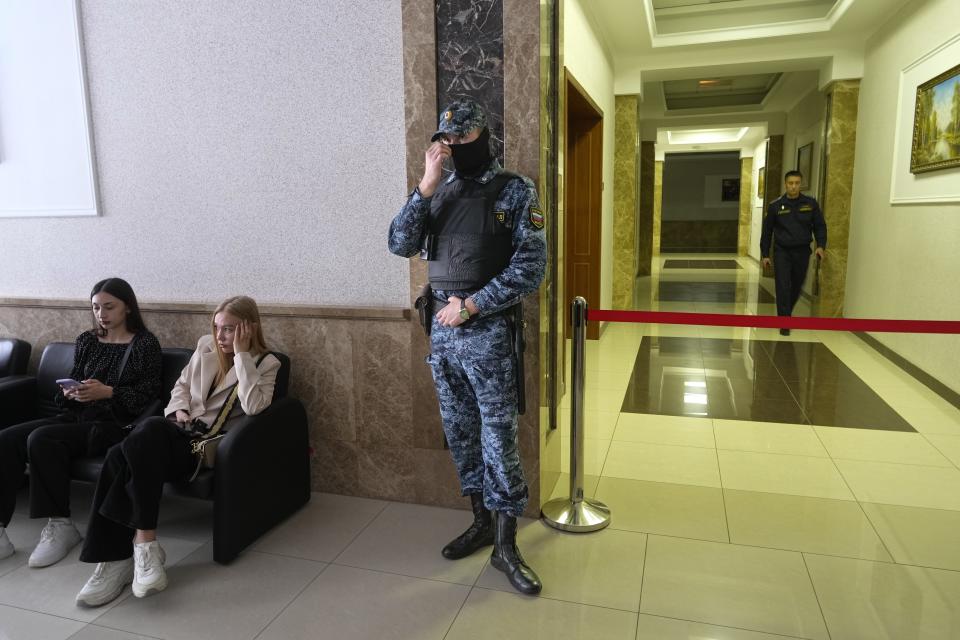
(746,90)
(686,16)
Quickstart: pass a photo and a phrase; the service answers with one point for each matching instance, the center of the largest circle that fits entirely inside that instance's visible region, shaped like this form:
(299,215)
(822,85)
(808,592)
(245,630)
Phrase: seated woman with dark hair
(230,374)
(116,375)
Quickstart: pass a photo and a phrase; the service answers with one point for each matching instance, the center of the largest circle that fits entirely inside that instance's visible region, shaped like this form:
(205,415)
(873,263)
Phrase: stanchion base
(578,517)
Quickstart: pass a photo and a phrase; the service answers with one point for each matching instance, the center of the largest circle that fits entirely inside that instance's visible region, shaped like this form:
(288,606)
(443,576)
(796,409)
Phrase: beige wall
(805,125)
(226,162)
(903,259)
(590,64)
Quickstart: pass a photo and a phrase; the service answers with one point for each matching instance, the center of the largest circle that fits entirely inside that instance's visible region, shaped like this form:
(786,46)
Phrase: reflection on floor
(771,381)
(673,291)
(701,264)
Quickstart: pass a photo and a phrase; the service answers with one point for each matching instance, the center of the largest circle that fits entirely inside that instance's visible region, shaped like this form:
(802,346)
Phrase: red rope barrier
(776,322)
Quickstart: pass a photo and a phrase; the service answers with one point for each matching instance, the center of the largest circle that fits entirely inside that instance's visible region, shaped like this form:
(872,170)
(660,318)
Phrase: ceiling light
(721,82)
(694,398)
(706,136)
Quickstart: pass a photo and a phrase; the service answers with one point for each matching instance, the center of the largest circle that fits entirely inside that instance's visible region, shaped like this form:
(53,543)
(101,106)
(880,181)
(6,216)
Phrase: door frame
(583,114)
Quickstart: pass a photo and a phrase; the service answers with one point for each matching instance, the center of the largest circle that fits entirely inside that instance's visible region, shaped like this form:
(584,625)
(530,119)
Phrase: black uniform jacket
(791,221)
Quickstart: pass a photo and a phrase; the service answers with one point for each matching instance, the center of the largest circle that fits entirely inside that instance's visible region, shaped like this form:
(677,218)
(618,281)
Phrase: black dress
(49,444)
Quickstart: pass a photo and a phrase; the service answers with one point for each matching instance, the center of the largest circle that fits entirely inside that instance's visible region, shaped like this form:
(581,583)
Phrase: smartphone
(68,383)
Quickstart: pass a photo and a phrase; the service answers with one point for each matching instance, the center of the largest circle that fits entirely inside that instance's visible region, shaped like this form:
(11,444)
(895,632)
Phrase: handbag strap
(224,414)
(126,356)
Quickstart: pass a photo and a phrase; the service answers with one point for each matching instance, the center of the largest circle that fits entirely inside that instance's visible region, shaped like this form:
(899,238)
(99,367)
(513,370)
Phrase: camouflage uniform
(472,364)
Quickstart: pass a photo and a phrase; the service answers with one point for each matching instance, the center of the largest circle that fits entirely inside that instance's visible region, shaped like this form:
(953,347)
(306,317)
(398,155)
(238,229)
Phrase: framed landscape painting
(936,124)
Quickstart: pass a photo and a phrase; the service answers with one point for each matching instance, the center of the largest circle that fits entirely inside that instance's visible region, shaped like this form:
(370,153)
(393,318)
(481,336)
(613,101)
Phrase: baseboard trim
(925,378)
(192,308)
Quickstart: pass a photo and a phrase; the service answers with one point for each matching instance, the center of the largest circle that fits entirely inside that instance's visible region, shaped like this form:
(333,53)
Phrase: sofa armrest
(262,476)
(18,399)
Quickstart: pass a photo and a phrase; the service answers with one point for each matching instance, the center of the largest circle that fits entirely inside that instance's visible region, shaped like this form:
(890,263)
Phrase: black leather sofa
(262,475)
(14,356)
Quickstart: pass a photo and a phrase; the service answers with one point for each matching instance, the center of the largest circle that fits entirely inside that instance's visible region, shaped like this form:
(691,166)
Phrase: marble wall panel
(387,472)
(383,405)
(841,141)
(746,205)
(626,173)
(703,236)
(334,467)
(645,217)
(40,326)
(521,86)
(657,205)
(351,375)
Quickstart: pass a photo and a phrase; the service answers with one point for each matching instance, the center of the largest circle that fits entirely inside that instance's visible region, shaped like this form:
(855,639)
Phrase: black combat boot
(479,535)
(506,557)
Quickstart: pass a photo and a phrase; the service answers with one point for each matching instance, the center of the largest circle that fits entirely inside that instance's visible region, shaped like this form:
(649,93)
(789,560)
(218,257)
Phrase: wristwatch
(464,312)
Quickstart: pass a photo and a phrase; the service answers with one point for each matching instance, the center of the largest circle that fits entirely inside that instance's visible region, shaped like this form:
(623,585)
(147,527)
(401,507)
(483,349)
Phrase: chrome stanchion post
(576,513)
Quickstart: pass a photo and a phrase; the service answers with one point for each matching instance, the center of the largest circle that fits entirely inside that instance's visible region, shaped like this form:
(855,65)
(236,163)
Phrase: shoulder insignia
(536,217)
(501,216)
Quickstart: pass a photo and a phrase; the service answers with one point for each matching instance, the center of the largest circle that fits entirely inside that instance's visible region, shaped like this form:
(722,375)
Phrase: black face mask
(471,158)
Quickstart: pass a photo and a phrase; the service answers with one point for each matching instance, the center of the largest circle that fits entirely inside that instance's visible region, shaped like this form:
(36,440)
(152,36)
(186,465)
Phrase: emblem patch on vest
(501,216)
(536,217)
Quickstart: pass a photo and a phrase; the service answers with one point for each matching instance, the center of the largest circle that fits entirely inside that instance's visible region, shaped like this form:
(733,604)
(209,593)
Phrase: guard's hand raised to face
(433,168)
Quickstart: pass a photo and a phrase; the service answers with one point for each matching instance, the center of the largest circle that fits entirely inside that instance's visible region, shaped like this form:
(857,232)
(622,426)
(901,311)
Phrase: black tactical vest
(471,244)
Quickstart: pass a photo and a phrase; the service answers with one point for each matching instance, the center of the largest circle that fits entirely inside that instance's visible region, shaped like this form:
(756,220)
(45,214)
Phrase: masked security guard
(789,223)
(481,230)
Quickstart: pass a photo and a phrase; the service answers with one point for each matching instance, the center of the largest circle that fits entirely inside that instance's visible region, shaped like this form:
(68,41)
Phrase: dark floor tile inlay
(709,292)
(701,264)
(761,380)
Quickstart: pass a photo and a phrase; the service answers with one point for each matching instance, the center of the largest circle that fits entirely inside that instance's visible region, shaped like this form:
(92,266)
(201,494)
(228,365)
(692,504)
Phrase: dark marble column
(470,58)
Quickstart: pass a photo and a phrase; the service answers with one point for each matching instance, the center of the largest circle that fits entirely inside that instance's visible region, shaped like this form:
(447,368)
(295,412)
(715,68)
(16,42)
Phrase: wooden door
(583,177)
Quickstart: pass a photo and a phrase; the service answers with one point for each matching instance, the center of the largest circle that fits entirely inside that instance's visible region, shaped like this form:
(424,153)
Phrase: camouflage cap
(460,118)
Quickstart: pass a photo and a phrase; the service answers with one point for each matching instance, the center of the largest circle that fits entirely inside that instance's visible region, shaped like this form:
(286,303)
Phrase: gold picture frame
(936,124)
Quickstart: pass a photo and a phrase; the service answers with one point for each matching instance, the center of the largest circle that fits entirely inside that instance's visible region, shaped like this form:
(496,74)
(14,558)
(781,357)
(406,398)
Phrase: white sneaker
(57,538)
(106,583)
(6,547)
(148,573)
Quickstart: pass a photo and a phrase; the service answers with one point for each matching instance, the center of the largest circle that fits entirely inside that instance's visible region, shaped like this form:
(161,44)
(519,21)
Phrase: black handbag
(106,431)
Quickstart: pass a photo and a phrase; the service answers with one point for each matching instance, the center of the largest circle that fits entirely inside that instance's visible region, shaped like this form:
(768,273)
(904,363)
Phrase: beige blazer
(254,388)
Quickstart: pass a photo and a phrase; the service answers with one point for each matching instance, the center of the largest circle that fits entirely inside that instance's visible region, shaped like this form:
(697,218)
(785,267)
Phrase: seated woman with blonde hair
(230,374)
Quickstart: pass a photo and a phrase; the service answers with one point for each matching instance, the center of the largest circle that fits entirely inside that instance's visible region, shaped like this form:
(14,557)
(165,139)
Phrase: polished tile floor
(799,486)
(725,527)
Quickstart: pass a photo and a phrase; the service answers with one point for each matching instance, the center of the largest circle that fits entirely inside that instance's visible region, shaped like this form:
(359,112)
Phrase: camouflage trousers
(474,374)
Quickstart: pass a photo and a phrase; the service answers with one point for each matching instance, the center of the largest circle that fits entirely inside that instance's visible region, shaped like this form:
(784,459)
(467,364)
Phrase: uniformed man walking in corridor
(789,223)
(481,230)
